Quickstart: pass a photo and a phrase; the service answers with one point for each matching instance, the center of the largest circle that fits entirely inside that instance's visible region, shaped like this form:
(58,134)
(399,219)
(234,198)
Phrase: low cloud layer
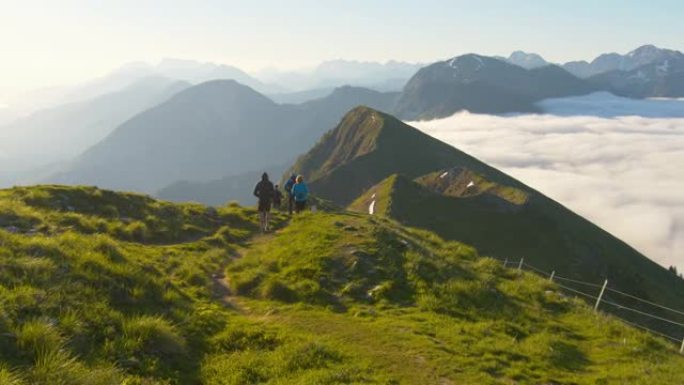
(624,173)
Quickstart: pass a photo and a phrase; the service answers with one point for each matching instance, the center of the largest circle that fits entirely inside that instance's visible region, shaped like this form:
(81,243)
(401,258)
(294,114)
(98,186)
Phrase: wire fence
(609,296)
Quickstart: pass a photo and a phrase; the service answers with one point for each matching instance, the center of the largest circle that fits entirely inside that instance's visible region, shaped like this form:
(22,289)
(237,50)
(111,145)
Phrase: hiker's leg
(267,219)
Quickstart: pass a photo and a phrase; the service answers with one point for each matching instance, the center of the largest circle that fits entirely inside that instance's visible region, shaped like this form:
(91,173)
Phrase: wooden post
(681,350)
(505,262)
(553,273)
(598,301)
(520,264)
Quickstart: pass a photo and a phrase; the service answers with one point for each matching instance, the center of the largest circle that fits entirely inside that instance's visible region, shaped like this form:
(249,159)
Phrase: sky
(622,172)
(57,42)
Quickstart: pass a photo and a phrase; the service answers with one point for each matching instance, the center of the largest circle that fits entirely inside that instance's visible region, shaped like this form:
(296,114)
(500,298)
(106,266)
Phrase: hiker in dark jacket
(288,189)
(264,191)
(277,198)
(300,193)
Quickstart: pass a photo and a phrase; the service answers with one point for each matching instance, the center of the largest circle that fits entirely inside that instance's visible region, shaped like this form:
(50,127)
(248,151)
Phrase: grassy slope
(108,288)
(343,166)
(543,234)
(103,288)
(368,146)
(411,308)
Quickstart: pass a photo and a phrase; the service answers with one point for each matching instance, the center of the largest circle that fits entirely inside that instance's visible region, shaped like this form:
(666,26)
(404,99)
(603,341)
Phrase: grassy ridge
(99,287)
(423,310)
(498,215)
(539,230)
(86,297)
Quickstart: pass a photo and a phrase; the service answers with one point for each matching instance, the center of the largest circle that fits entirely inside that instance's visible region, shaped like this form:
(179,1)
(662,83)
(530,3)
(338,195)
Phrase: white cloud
(624,173)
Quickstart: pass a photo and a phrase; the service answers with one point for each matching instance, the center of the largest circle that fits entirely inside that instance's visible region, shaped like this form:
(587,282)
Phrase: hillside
(499,215)
(367,146)
(207,132)
(108,288)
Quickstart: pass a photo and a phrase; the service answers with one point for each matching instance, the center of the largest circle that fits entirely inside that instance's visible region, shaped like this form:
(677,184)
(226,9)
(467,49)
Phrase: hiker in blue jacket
(300,193)
(288,189)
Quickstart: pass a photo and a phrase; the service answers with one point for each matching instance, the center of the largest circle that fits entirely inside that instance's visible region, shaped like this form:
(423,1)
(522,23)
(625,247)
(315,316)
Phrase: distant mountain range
(485,85)
(62,132)
(516,84)
(642,56)
(232,126)
(208,131)
(212,134)
(373,163)
(608,62)
(389,76)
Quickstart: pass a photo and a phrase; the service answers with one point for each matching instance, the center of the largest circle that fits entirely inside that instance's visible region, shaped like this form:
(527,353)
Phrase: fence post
(681,350)
(521,263)
(505,262)
(553,273)
(598,301)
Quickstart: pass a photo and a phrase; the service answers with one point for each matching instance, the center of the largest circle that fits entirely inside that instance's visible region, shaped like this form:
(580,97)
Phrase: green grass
(330,298)
(454,183)
(99,287)
(373,153)
(542,232)
(414,308)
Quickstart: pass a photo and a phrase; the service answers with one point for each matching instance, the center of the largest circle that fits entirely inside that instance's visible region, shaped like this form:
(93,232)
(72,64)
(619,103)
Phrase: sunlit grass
(331,298)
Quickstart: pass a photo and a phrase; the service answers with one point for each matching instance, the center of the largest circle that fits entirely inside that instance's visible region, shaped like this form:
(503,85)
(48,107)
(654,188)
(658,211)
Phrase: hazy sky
(47,42)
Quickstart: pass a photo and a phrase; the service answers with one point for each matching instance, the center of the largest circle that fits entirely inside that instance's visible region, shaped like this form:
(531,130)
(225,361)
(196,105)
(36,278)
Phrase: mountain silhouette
(207,132)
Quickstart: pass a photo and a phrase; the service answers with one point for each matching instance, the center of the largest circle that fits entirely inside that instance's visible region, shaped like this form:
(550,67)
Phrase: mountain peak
(367,146)
(527,60)
(645,50)
(220,91)
(356,135)
(470,60)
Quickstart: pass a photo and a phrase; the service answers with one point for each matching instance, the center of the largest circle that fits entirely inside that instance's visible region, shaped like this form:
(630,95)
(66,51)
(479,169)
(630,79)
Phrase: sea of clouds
(618,162)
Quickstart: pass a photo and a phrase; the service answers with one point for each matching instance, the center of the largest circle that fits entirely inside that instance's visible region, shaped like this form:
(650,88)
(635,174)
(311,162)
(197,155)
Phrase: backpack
(264,190)
(289,184)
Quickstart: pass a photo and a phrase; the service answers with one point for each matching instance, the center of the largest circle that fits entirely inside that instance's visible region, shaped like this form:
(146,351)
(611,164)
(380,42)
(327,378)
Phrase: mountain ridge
(500,215)
(157,147)
(102,287)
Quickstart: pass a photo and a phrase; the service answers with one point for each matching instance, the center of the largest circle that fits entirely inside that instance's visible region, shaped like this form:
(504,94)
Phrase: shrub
(56,367)
(244,337)
(137,231)
(37,337)
(277,290)
(235,369)
(310,355)
(8,377)
(110,211)
(152,335)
